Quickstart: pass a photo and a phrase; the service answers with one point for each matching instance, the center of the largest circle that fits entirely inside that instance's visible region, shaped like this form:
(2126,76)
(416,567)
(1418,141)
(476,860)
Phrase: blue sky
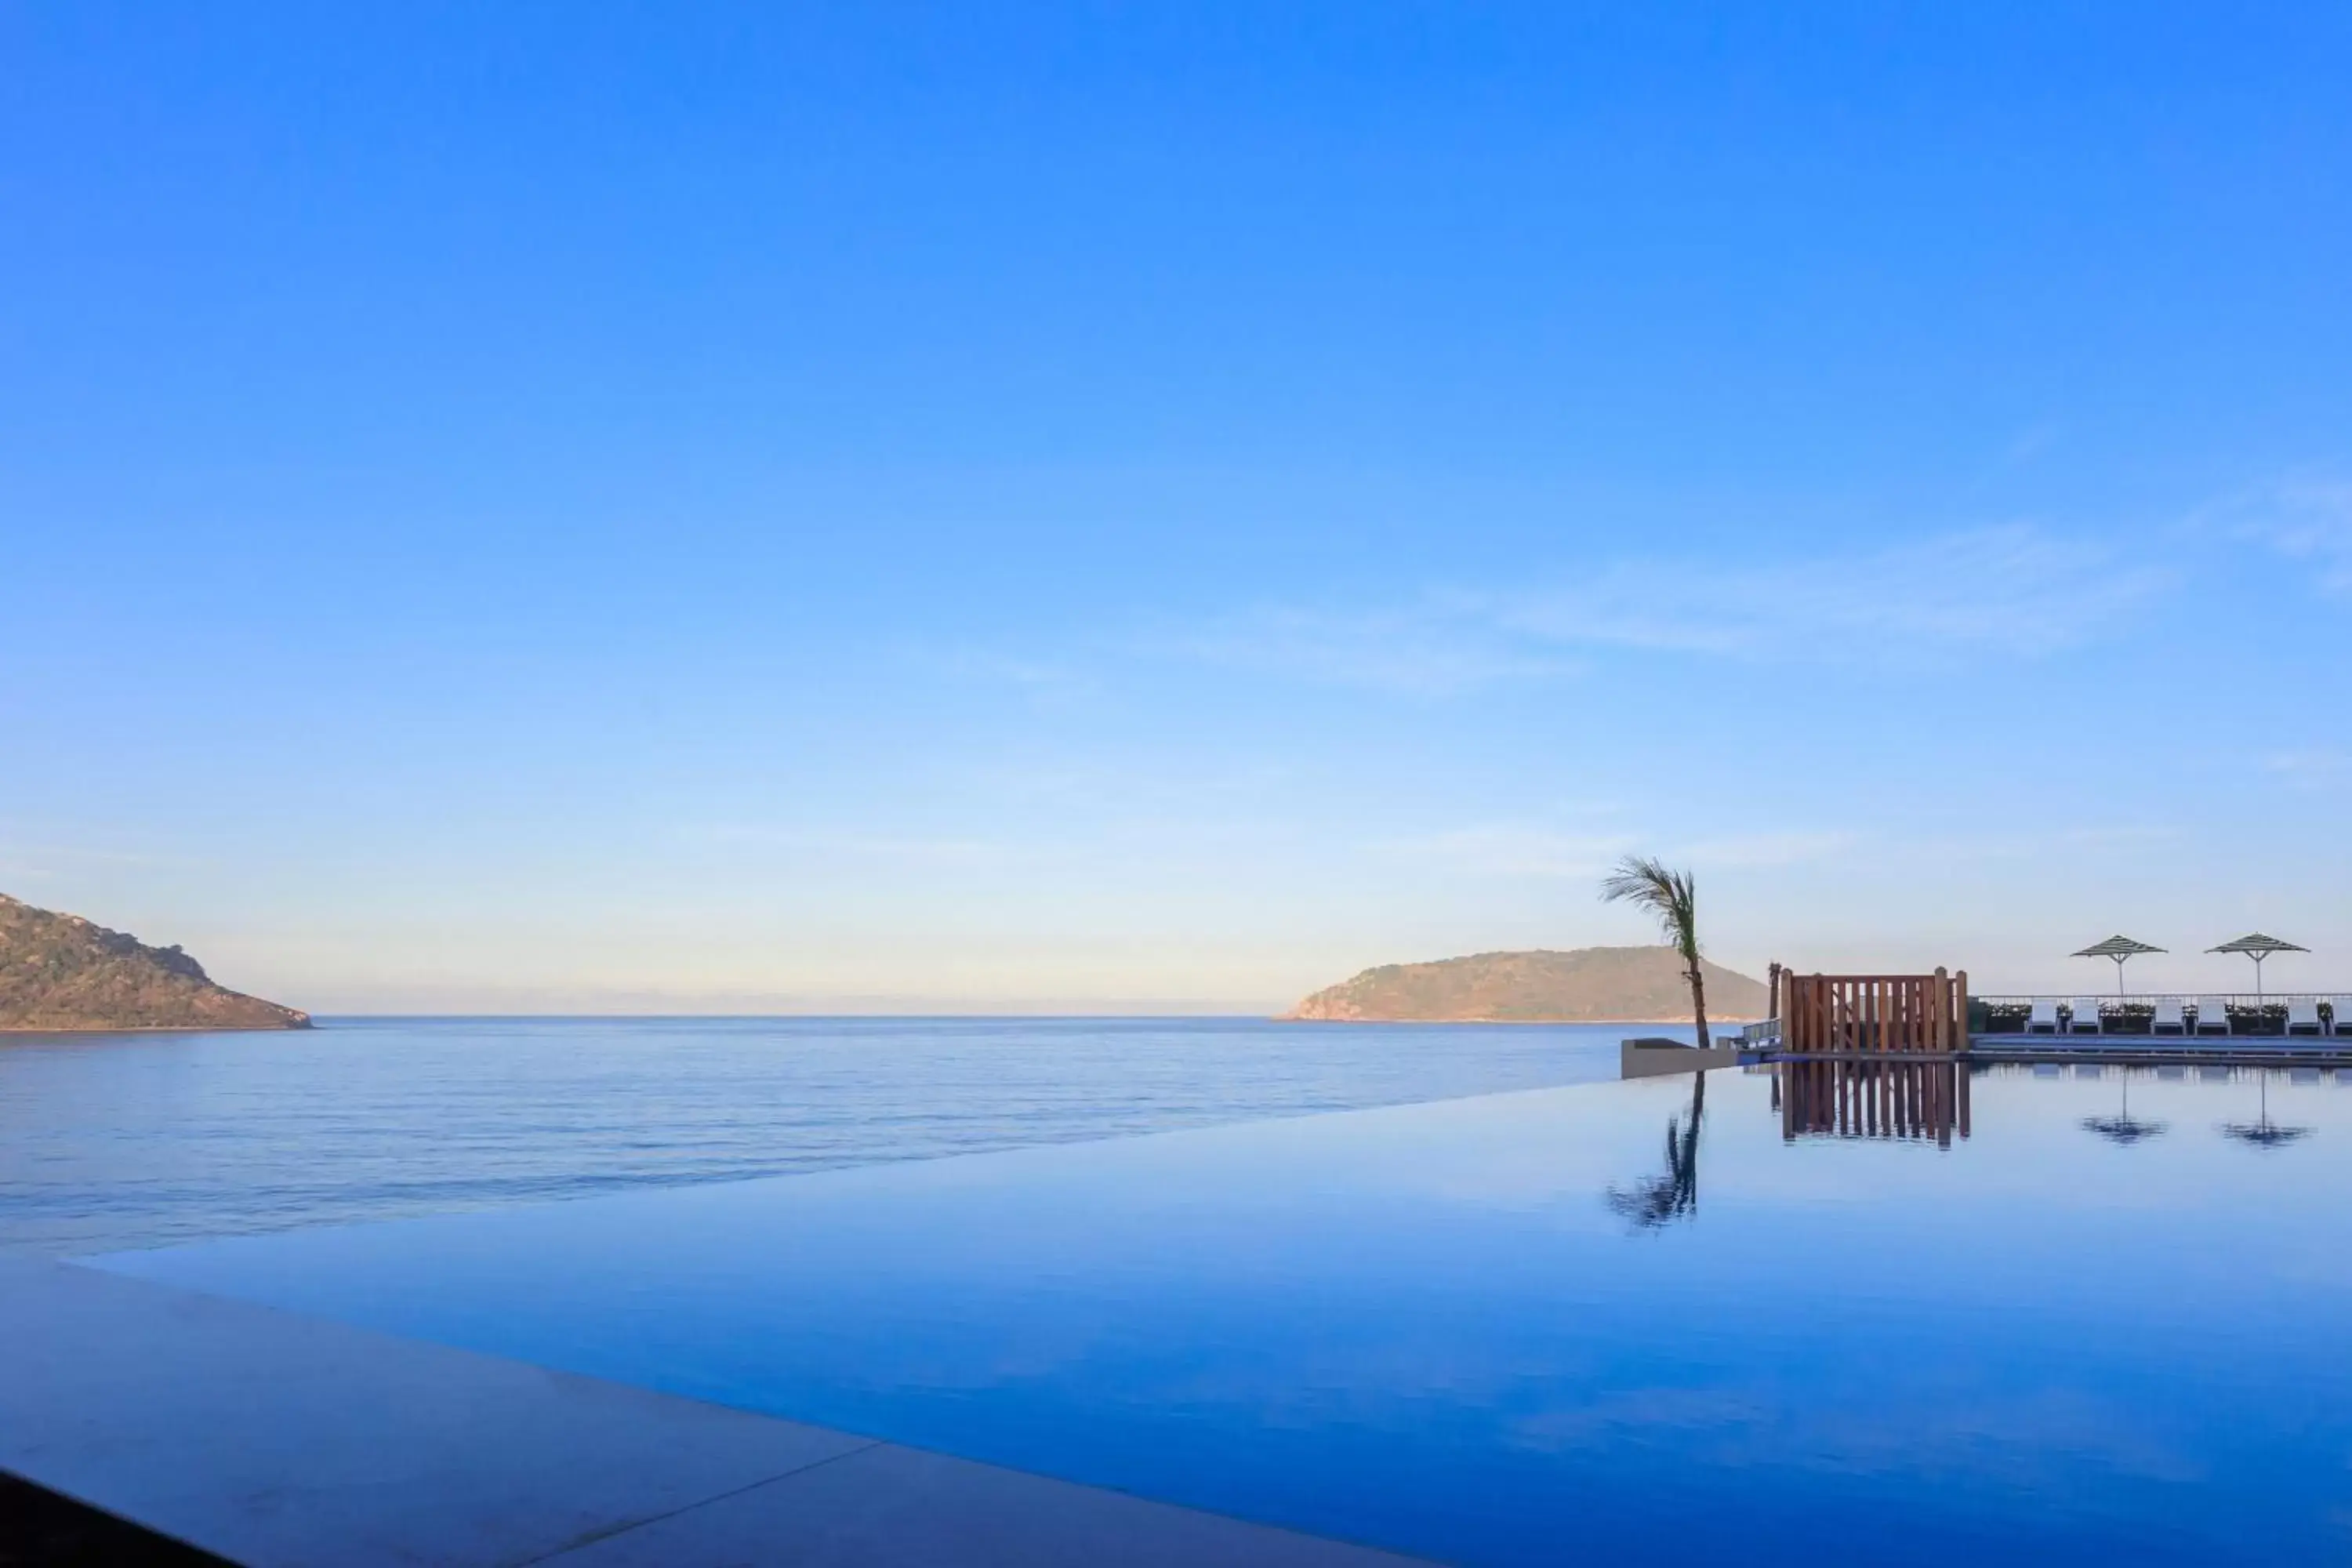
(574,507)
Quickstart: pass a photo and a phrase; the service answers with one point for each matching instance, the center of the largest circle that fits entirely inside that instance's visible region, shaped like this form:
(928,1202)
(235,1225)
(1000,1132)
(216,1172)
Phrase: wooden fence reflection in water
(1888,1098)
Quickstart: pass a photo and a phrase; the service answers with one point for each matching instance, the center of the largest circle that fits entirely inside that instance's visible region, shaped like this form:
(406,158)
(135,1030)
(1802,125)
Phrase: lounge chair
(2043,1019)
(2170,1019)
(2340,1009)
(2082,1017)
(2302,1016)
(2212,1015)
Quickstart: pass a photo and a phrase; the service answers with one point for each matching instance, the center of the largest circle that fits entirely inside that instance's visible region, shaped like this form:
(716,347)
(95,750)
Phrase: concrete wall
(1648,1058)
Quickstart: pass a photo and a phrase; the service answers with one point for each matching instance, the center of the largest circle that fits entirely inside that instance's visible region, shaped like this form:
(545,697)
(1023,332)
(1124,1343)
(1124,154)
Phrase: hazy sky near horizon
(746,506)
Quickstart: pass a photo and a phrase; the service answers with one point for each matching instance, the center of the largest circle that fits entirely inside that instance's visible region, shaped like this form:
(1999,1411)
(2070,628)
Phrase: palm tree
(1673,898)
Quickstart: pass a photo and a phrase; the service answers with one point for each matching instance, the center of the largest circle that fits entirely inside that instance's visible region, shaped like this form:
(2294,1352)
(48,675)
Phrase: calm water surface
(138,1139)
(2108,1323)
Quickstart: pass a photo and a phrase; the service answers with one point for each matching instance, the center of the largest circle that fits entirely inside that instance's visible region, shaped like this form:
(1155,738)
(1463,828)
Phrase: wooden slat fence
(1874,1014)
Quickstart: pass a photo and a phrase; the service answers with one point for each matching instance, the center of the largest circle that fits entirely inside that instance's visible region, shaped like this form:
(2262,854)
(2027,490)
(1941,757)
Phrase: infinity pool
(2110,1318)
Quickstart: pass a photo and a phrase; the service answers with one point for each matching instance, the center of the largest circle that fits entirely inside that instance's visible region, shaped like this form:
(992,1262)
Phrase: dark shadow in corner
(42,1529)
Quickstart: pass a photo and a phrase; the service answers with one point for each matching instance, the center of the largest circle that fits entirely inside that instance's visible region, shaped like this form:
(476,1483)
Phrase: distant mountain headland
(60,971)
(1584,985)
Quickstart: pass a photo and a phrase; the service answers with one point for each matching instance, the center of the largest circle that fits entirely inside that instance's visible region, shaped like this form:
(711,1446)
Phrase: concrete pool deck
(272,1438)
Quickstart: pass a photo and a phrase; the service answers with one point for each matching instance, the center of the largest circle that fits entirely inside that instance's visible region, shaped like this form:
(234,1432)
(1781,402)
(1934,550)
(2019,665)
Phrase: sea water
(116,1140)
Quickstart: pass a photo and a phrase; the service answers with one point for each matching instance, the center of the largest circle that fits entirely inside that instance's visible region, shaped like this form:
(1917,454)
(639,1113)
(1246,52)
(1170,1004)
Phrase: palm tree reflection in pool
(1672,1194)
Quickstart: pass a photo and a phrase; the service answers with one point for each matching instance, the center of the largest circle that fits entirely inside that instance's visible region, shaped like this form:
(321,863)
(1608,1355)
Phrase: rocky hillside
(59,972)
(1588,985)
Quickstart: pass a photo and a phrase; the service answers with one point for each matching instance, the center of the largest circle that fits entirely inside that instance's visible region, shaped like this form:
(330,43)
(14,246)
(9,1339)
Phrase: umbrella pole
(2119,976)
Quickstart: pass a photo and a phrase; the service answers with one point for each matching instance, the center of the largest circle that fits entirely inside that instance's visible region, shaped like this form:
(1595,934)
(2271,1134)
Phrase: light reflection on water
(1513,1329)
(114,1141)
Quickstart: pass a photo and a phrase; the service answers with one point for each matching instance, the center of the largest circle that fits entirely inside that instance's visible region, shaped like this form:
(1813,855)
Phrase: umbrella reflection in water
(2124,1128)
(2262,1132)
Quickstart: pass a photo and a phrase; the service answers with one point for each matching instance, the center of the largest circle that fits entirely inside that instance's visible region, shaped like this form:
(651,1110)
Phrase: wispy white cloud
(1428,649)
(2311,769)
(1513,849)
(832,845)
(1043,679)
(2119,835)
(42,856)
(1523,850)
(2029,444)
(1766,849)
(2014,590)
(2078,844)
(2308,519)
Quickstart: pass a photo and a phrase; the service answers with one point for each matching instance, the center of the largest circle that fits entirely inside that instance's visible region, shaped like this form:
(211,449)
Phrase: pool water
(2109,1319)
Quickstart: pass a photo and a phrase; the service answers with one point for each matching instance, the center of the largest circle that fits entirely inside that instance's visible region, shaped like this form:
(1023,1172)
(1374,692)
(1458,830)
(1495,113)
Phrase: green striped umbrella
(2118,948)
(2258,947)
